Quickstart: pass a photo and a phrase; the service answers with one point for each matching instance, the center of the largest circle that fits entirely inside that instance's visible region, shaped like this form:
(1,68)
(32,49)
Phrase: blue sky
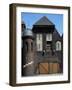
(31,18)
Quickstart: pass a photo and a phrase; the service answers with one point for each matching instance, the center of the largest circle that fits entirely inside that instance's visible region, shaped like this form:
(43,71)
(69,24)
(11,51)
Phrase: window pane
(49,37)
(39,42)
(26,46)
(31,46)
(58,45)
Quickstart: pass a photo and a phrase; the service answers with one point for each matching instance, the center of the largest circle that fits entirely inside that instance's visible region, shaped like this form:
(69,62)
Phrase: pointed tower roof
(44,21)
(23,22)
(23,25)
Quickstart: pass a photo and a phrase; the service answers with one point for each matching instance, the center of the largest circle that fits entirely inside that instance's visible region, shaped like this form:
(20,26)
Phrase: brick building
(46,47)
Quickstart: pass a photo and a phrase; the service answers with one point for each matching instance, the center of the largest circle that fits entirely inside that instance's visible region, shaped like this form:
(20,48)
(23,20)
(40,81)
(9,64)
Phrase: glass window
(26,46)
(39,42)
(49,37)
(39,36)
(31,46)
(58,45)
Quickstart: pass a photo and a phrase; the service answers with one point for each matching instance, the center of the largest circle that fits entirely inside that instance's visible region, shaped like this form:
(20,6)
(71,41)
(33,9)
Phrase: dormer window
(48,37)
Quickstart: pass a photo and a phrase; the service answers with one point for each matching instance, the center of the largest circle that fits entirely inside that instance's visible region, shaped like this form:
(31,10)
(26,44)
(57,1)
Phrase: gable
(44,21)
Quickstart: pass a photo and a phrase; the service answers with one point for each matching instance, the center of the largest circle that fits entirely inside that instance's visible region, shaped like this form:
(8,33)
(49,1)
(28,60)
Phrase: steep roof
(44,21)
(56,35)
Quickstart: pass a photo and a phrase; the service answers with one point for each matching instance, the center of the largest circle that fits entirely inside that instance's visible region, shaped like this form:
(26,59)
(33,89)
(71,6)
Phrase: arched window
(26,46)
(49,37)
(58,46)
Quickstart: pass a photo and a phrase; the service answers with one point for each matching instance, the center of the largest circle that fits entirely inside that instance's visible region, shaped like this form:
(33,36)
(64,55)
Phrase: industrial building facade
(42,49)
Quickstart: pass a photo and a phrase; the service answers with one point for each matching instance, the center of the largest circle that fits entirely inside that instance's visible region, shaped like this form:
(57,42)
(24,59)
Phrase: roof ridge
(48,20)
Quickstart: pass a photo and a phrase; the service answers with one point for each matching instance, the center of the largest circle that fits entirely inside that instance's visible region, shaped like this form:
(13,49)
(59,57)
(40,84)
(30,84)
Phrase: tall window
(31,46)
(26,46)
(48,37)
(39,42)
(58,45)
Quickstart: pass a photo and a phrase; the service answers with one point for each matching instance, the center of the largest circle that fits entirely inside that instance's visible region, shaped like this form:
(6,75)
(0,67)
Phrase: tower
(27,53)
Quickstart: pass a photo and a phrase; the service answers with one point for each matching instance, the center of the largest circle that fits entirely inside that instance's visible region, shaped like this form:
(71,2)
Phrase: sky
(31,18)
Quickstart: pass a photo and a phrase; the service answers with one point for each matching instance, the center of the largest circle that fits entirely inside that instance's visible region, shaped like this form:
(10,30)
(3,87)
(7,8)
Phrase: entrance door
(42,68)
(47,68)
